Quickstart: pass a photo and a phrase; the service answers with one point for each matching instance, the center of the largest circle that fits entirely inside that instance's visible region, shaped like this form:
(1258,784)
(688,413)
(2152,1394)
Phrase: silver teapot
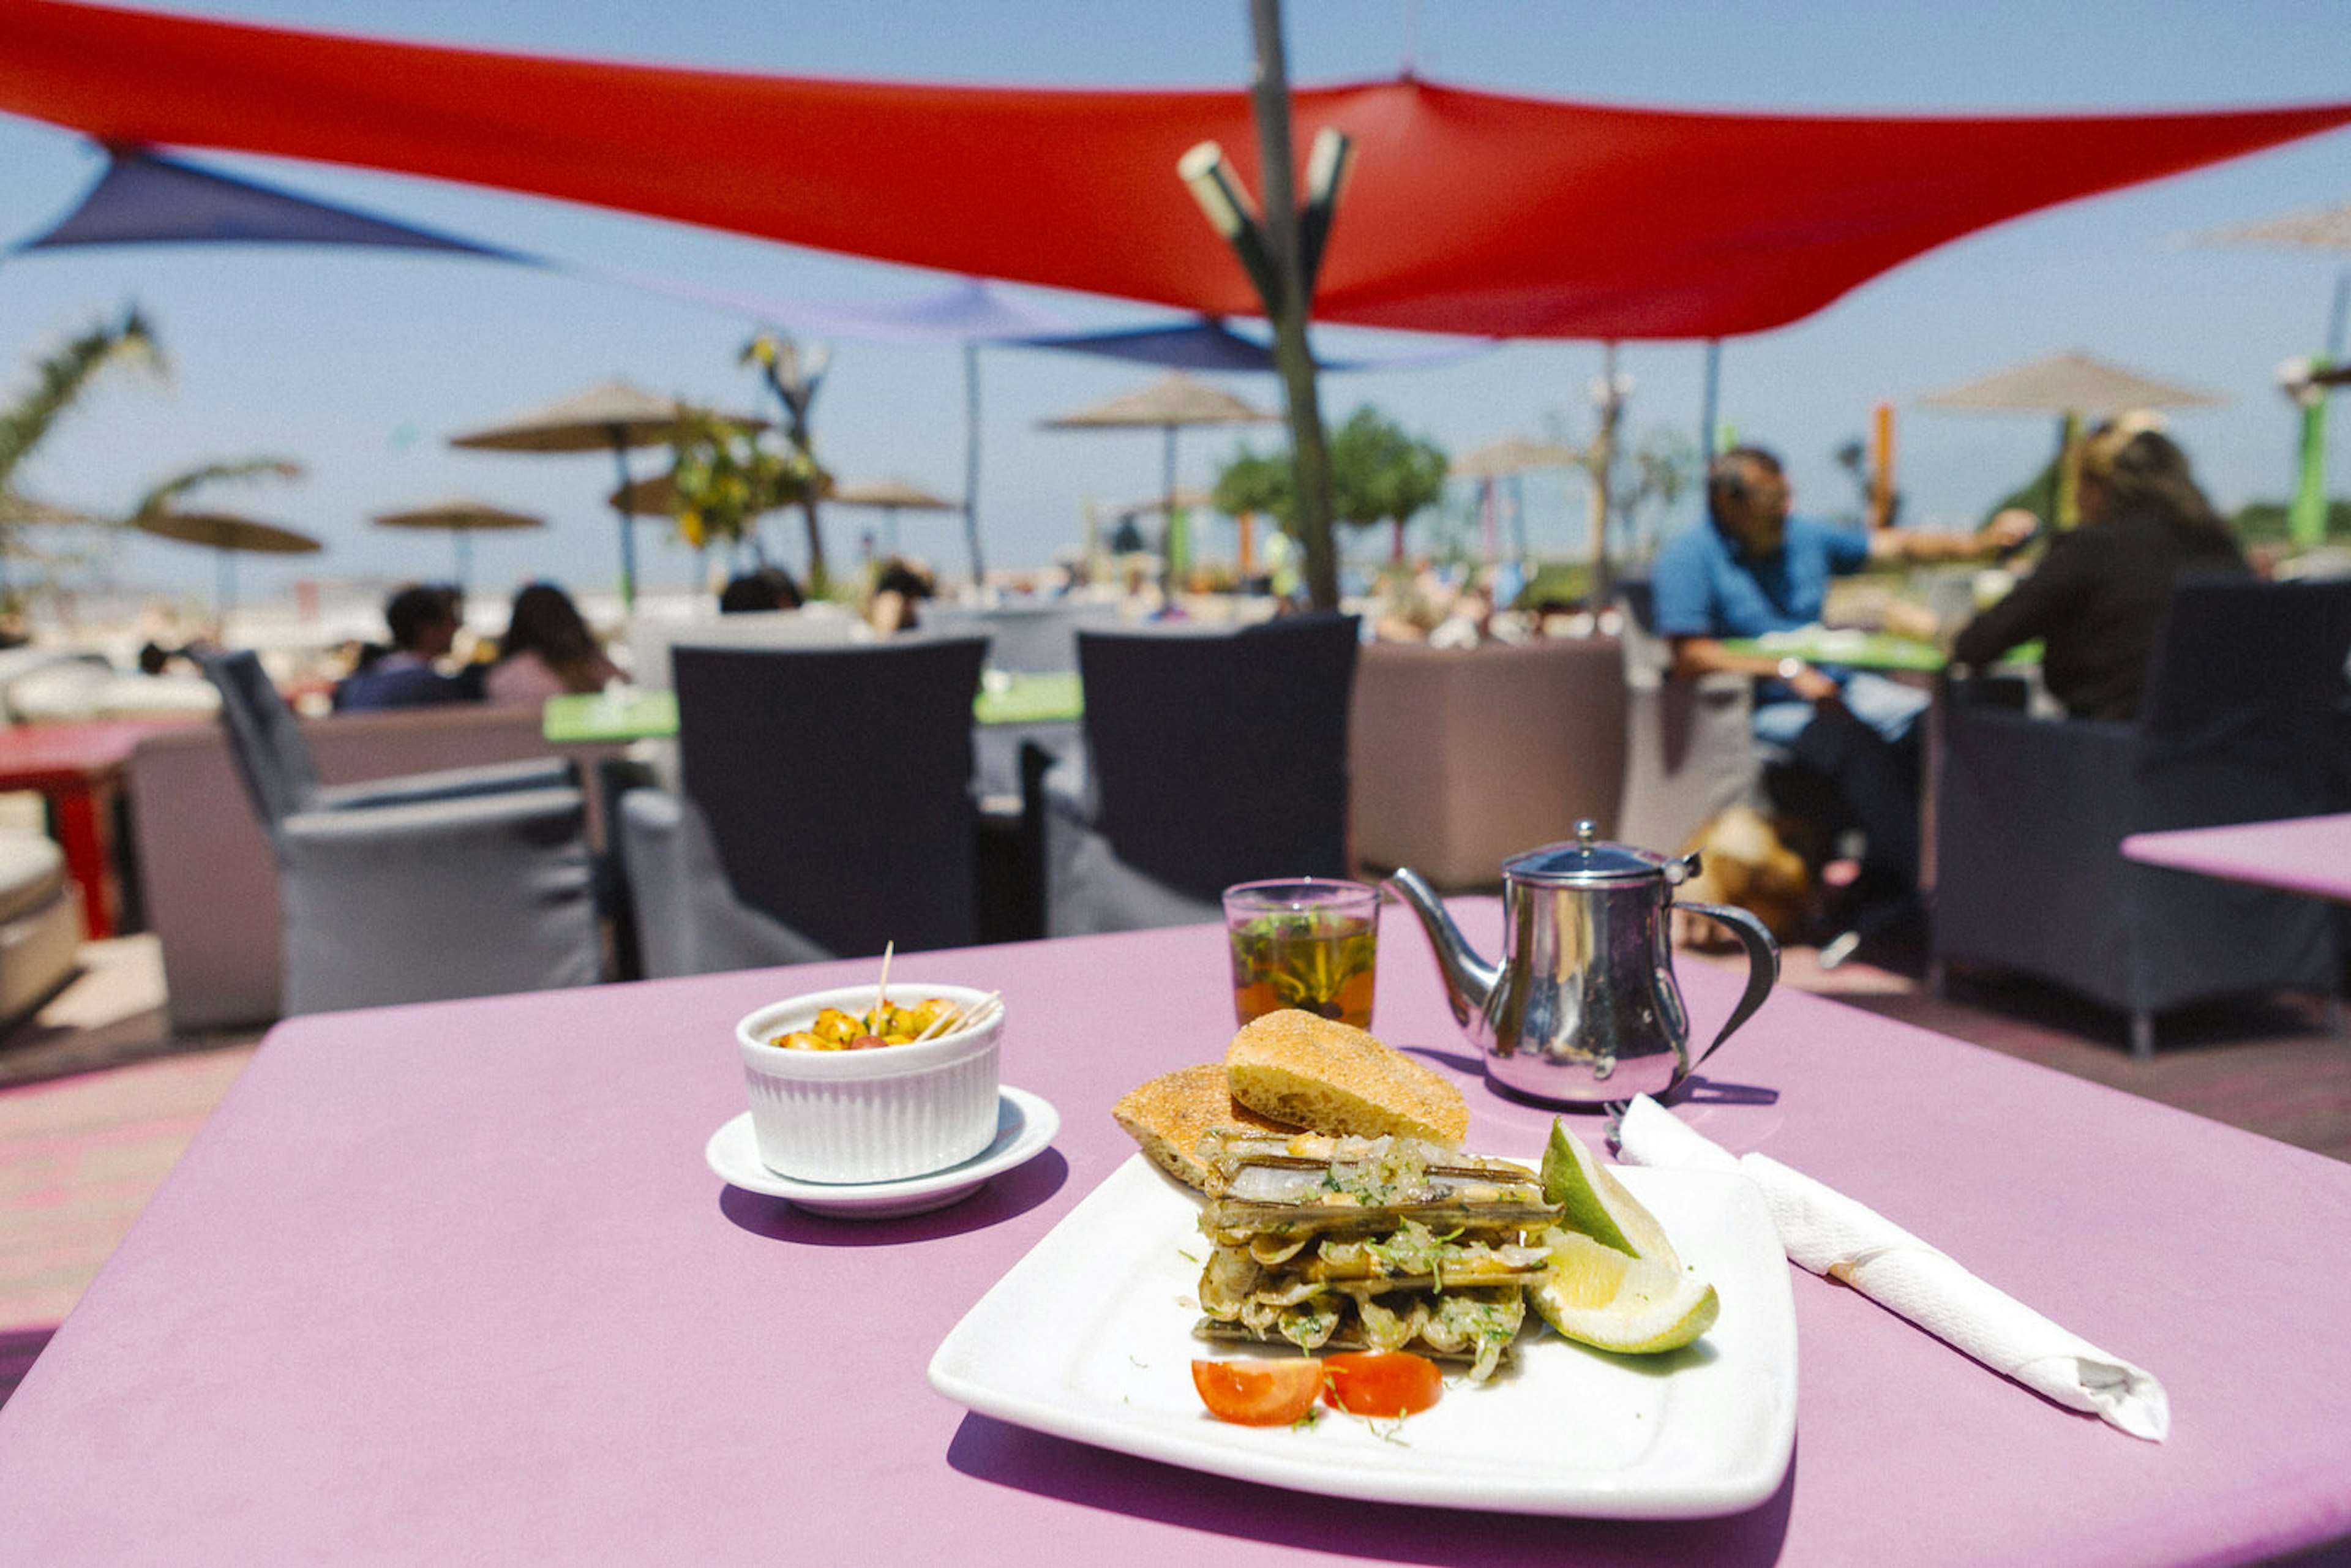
(1583,1009)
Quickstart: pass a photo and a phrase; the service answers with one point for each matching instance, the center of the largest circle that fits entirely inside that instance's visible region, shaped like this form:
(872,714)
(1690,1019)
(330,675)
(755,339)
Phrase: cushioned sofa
(206,871)
(1462,757)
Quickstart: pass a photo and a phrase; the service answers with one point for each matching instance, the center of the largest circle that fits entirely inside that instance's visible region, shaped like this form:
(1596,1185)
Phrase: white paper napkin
(1828,1233)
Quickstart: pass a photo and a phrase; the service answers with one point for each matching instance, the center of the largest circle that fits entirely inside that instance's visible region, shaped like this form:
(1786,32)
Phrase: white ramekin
(870,1115)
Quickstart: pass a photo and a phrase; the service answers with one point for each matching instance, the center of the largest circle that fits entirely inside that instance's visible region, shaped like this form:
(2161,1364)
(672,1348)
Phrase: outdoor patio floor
(97,1100)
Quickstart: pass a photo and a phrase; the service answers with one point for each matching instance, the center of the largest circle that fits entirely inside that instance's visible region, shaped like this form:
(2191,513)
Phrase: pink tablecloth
(2301,854)
(452,1283)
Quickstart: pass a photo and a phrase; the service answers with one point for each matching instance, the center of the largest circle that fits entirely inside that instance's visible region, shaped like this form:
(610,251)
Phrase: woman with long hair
(2097,599)
(547,651)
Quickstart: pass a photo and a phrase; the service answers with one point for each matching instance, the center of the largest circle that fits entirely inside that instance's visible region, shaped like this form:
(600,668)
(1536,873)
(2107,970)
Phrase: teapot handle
(1763,964)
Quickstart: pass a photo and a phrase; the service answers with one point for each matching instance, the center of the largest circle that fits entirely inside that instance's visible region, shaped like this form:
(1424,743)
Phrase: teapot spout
(1470,980)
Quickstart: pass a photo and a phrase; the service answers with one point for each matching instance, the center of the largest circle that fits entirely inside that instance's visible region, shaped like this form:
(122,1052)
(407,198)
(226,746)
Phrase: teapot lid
(1587,861)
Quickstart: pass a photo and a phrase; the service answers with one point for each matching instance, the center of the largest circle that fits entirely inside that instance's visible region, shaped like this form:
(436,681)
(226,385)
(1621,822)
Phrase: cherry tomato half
(1382,1382)
(1261,1393)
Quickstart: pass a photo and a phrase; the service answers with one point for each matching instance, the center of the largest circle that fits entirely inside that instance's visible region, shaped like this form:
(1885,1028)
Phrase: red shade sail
(1466,211)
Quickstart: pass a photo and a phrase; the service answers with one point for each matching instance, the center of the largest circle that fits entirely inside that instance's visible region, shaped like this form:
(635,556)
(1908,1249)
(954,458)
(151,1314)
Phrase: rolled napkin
(1828,1233)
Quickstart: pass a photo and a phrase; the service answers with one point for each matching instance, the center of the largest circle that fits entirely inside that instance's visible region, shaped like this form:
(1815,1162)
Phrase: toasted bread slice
(1334,1077)
(1168,1114)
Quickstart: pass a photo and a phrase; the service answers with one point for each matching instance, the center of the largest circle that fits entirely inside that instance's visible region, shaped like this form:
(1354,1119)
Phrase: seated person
(1754,570)
(423,619)
(899,589)
(770,588)
(2097,599)
(547,651)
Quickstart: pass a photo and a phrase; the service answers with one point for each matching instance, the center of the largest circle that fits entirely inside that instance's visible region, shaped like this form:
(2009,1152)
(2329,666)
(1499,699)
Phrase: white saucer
(1025,1124)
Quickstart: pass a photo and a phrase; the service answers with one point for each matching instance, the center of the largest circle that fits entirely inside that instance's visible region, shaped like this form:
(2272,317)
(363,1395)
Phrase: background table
(2301,854)
(629,714)
(452,1283)
(1882,651)
(77,766)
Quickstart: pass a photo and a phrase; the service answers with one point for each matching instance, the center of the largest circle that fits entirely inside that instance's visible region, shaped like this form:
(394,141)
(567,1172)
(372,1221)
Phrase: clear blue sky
(361,365)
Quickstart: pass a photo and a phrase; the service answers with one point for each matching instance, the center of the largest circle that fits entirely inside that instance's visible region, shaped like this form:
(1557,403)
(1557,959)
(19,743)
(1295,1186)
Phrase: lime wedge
(1613,1281)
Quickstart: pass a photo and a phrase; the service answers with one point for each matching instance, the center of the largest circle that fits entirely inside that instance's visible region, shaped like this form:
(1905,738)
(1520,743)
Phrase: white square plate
(1090,1337)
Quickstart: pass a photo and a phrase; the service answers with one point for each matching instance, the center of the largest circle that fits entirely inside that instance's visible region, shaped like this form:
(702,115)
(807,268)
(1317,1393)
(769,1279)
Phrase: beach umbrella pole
(971,459)
(628,533)
(464,558)
(1167,520)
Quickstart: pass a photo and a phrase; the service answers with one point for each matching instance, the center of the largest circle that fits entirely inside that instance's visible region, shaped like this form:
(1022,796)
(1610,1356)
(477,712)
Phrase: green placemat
(1859,650)
(1050,699)
(598,718)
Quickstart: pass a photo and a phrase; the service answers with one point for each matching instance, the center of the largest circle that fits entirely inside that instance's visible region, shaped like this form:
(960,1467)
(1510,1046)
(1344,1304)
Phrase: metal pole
(464,559)
(971,458)
(1710,413)
(1602,459)
(1286,311)
(620,510)
(1167,521)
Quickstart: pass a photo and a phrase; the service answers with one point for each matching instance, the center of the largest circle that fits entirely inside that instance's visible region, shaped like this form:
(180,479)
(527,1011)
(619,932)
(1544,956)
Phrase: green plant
(164,494)
(59,382)
(1380,475)
(2264,522)
(724,477)
(794,378)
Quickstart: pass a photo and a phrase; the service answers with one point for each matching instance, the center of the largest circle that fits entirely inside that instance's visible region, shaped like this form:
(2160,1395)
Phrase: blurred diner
(423,619)
(899,589)
(547,651)
(768,588)
(1755,568)
(2097,599)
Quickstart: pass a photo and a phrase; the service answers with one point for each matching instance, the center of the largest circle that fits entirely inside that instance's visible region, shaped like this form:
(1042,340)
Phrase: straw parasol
(462,517)
(227,536)
(2076,382)
(613,418)
(1187,499)
(889,496)
(17,508)
(1169,404)
(1508,458)
(2326,229)
(2073,386)
(654,496)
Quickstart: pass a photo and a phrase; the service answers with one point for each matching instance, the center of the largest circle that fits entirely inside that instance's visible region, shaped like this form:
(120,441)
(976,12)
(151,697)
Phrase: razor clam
(1233,1223)
(1481,1357)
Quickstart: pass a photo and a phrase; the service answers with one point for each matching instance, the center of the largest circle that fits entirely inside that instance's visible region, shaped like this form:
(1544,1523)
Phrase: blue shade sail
(146,198)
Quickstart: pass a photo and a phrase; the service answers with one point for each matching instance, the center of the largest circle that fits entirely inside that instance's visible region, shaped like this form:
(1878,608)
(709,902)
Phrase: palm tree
(59,382)
(794,378)
(164,494)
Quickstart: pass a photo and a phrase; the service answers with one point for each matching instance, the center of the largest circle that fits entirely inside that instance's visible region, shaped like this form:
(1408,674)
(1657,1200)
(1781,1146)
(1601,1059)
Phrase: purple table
(2301,854)
(451,1283)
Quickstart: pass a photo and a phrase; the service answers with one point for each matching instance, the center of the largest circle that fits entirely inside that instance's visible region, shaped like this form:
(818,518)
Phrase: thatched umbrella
(612,417)
(1168,404)
(2328,229)
(890,495)
(2073,386)
(462,517)
(1508,458)
(227,536)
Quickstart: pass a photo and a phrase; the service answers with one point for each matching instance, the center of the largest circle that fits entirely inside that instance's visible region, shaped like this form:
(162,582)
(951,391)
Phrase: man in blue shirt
(1755,570)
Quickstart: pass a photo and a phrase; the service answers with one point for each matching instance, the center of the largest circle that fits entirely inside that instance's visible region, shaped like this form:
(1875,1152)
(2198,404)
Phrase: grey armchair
(1689,747)
(2243,691)
(469,882)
